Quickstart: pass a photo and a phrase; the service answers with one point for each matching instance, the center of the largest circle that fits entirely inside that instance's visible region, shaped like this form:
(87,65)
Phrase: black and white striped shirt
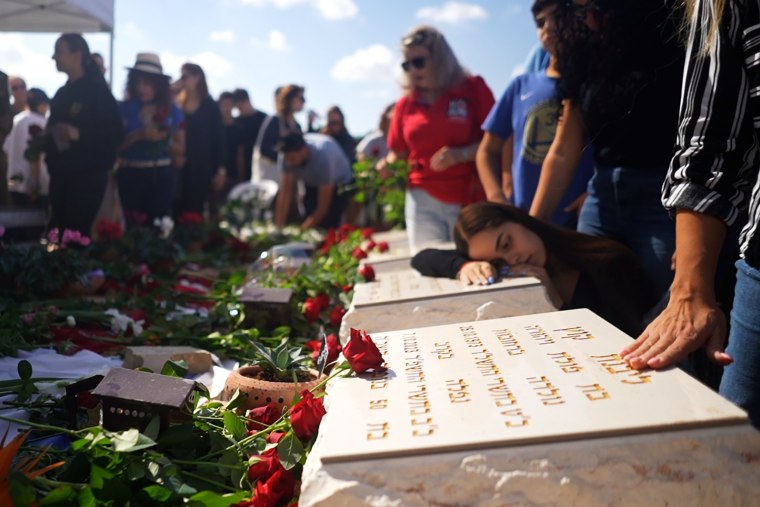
(715,167)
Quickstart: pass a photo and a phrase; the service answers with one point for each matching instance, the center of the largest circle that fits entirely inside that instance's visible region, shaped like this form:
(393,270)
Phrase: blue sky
(344,51)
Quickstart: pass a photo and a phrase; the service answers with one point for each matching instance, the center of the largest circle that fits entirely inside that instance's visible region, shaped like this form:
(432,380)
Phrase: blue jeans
(741,379)
(428,220)
(624,204)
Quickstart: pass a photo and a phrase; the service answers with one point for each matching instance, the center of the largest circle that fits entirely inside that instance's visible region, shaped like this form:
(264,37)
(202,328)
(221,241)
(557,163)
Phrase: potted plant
(276,375)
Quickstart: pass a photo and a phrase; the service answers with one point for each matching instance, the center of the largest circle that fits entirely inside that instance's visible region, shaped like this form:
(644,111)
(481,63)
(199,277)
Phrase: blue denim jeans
(624,204)
(428,220)
(741,379)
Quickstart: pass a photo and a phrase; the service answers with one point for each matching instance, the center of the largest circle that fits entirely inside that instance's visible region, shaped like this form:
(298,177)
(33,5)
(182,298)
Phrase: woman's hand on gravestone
(477,273)
(686,324)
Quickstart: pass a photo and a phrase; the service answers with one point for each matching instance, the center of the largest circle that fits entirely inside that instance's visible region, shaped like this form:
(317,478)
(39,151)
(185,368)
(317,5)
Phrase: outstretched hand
(683,327)
(476,273)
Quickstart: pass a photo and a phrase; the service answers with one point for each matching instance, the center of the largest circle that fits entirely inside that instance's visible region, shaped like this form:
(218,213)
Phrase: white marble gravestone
(398,257)
(531,410)
(404,299)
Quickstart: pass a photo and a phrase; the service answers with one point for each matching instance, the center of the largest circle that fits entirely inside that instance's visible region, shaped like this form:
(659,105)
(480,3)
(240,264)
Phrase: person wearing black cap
(318,161)
(27,172)
(154,140)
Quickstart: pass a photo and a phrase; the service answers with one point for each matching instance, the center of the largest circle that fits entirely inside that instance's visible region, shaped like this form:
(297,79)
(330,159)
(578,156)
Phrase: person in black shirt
(620,64)
(250,121)
(578,271)
(85,130)
(205,146)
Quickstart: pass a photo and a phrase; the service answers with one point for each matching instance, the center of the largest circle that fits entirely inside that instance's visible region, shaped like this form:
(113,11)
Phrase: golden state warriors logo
(540,127)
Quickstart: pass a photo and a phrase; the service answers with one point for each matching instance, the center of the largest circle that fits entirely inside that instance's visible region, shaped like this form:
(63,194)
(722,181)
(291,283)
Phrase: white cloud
(213,65)
(276,42)
(37,68)
(222,36)
(330,9)
(337,9)
(374,63)
(452,13)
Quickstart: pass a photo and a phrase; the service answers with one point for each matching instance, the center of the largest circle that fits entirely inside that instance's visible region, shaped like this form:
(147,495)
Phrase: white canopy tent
(59,16)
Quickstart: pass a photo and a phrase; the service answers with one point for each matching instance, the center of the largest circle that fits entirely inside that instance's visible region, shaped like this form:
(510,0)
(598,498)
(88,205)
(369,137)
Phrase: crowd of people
(621,169)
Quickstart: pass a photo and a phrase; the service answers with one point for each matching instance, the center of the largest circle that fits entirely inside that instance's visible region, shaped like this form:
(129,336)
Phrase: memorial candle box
(530,410)
(405,299)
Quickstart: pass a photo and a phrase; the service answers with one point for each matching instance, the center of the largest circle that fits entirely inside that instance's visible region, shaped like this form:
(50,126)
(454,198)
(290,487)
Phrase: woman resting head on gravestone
(578,271)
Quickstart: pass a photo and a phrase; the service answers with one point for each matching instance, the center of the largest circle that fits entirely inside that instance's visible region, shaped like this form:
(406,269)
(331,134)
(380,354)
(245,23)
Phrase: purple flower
(2,231)
(52,236)
(76,237)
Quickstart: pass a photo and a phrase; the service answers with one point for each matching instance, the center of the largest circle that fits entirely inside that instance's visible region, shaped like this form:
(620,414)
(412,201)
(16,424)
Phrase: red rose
(275,437)
(336,315)
(314,346)
(367,232)
(267,464)
(190,217)
(323,300)
(370,245)
(261,417)
(382,246)
(347,288)
(359,254)
(333,348)
(311,309)
(306,415)
(367,272)
(278,488)
(362,353)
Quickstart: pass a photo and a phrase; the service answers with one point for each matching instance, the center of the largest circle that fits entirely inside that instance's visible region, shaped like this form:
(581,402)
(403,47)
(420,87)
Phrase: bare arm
(324,199)
(282,206)
(488,162)
(561,162)
(506,167)
(448,156)
(692,317)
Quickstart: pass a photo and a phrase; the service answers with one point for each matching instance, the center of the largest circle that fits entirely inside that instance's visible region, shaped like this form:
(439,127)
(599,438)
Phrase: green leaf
(176,436)
(290,450)
(21,489)
(211,499)
(86,498)
(24,368)
(157,493)
(131,440)
(234,425)
(135,471)
(153,427)
(175,368)
(237,400)
(59,496)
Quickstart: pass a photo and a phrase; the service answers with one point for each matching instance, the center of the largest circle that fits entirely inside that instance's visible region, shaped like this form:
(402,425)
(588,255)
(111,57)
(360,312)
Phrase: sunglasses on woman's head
(418,63)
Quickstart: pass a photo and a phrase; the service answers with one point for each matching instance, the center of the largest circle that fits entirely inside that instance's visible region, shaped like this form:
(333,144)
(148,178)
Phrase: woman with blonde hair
(436,129)
(288,101)
(712,178)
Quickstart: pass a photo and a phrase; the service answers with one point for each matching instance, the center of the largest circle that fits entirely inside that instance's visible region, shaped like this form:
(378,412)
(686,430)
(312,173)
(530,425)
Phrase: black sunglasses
(418,63)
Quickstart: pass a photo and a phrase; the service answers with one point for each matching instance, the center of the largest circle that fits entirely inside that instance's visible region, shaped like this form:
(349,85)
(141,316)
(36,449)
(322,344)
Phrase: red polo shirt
(453,120)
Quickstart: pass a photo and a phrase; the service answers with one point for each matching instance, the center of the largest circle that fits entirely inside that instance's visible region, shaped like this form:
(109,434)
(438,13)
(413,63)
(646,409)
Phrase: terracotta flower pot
(260,392)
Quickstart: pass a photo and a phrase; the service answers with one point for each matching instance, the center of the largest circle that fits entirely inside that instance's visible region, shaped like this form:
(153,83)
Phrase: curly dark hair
(159,82)
(603,69)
